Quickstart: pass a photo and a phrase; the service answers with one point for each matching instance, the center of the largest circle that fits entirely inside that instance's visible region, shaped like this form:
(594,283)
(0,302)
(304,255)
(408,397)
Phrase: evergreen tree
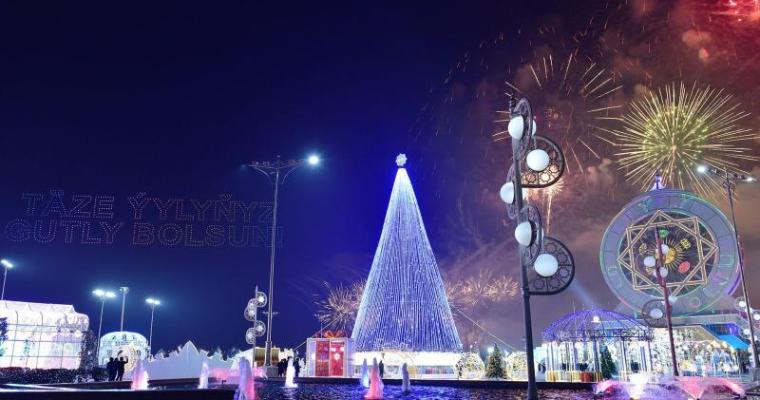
(3,334)
(404,303)
(608,366)
(88,360)
(495,366)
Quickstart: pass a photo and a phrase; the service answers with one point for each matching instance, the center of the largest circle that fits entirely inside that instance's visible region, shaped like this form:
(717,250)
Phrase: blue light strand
(404,304)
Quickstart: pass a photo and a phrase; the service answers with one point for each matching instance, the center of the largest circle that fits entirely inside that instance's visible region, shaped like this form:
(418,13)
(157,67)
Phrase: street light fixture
(276,171)
(313,159)
(153,303)
(546,265)
(124,290)
(730,180)
(102,295)
(6,266)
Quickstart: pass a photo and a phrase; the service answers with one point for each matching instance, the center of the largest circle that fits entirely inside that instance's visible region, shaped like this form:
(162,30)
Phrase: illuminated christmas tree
(404,305)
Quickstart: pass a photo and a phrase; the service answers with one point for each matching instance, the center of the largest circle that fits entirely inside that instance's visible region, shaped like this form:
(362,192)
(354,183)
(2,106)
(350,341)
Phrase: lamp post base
(754,374)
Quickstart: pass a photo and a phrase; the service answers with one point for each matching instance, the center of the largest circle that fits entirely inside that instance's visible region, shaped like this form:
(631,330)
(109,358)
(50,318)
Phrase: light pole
(730,180)
(661,271)
(124,290)
(6,266)
(251,314)
(546,265)
(276,171)
(153,303)
(102,295)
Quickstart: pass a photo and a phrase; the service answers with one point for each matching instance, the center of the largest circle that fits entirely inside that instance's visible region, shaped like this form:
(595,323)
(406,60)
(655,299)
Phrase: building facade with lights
(674,239)
(131,346)
(41,336)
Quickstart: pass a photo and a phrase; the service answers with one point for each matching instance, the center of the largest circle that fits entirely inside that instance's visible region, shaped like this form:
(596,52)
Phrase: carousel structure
(577,346)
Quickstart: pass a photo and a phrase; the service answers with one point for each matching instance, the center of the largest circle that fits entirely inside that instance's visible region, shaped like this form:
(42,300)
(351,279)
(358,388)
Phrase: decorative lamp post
(124,290)
(276,171)
(546,265)
(658,313)
(102,295)
(729,181)
(6,266)
(152,303)
(251,314)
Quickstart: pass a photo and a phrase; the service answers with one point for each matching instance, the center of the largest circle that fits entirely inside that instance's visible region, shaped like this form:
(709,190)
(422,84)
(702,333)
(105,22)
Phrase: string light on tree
(404,303)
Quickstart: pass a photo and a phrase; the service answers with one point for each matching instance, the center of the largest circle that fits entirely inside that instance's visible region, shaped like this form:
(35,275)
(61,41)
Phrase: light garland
(404,303)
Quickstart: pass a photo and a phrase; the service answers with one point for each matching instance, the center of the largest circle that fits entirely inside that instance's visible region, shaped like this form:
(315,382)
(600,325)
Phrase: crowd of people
(282,365)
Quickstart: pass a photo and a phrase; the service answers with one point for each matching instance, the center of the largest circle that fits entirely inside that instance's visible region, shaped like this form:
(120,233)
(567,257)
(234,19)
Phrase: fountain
(259,372)
(709,387)
(692,387)
(246,389)
(364,380)
(375,391)
(290,374)
(139,376)
(203,378)
(405,386)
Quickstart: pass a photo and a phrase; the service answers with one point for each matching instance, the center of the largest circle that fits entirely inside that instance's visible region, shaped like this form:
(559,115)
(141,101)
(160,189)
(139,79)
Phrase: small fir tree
(495,366)
(608,366)
(3,334)
(88,360)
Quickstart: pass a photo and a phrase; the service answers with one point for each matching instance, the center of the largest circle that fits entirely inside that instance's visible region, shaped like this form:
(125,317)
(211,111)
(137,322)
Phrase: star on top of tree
(401,160)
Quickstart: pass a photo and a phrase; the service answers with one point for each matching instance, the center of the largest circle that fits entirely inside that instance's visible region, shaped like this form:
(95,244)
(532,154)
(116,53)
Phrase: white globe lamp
(507,192)
(649,261)
(663,272)
(655,313)
(516,127)
(524,233)
(538,160)
(546,265)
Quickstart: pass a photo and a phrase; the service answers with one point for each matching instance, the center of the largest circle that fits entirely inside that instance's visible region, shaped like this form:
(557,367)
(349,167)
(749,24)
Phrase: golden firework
(338,310)
(674,129)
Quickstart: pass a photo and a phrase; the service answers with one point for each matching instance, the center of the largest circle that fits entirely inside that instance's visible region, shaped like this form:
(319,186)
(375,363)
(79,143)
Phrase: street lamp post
(124,290)
(546,265)
(153,303)
(6,266)
(660,268)
(251,314)
(730,180)
(276,171)
(102,295)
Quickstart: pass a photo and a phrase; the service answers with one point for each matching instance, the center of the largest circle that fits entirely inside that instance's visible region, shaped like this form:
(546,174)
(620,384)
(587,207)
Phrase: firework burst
(573,97)
(338,310)
(481,289)
(672,130)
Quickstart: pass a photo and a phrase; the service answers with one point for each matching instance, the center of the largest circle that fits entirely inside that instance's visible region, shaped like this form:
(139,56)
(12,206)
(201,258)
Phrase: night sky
(173,99)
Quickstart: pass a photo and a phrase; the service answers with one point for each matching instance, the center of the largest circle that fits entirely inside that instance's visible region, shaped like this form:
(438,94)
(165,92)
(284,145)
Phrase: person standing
(111,369)
(297,366)
(120,368)
(381,368)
